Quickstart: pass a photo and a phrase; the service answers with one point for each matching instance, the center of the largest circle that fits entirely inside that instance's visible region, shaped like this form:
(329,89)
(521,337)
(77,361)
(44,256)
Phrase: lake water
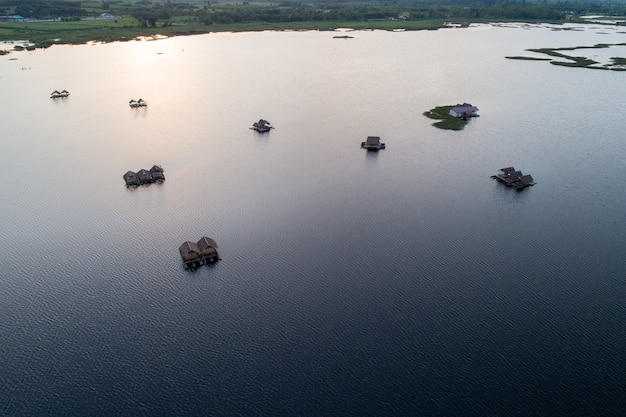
(403,282)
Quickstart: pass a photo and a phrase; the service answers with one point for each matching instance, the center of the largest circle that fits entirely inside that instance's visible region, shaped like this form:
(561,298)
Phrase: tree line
(149,13)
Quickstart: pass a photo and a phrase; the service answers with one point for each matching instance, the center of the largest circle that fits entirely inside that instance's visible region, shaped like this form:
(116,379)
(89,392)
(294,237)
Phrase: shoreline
(41,37)
(33,37)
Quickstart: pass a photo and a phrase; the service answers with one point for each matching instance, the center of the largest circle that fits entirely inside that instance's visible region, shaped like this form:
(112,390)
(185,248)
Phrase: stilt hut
(137,103)
(144,176)
(372,143)
(526,181)
(131,178)
(512,178)
(261,126)
(190,253)
(59,94)
(208,250)
(157,173)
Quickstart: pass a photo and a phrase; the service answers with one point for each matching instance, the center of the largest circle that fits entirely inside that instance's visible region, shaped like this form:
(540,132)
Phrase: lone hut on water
(372,143)
(261,126)
(512,178)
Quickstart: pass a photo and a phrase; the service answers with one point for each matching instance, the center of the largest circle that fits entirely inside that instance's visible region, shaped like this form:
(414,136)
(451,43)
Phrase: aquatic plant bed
(616,64)
(446,121)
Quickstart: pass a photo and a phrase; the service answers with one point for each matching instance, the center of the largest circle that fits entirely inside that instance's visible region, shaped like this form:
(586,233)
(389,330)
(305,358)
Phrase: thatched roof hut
(59,94)
(131,178)
(207,244)
(138,103)
(144,176)
(208,249)
(507,171)
(527,180)
(513,178)
(372,143)
(261,126)
(190,254)
(157,173)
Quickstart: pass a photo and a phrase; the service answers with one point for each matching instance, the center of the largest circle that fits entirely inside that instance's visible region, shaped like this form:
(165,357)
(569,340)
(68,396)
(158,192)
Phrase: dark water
(400,283)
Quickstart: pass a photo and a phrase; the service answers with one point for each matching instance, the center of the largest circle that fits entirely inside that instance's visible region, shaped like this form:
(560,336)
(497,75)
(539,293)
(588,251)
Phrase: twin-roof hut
(203,252)
(137,103)
(59,94)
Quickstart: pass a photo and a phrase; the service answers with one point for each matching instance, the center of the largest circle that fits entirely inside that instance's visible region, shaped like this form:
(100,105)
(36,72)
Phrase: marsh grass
(528,58)
(576,61)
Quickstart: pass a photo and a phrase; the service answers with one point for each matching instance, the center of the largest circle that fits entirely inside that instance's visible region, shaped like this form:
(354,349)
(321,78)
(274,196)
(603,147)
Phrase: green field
(44,34)
(76,22)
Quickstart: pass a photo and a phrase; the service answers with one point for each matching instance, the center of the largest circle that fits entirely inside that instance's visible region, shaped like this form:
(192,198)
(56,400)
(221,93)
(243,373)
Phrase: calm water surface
(400,283)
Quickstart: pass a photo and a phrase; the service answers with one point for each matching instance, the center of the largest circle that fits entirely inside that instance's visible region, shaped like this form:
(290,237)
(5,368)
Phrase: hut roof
(508,170)
(464,108)
(189,251)
(262,123)
(526,180)
(372,140)
(131,178)
(514,176)
(206,243)
(157,172)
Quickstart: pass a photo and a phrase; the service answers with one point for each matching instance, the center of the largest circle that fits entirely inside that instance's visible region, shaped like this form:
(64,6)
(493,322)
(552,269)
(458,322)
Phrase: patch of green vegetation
(618,60)
(575,65)
(442,113)
(577,61)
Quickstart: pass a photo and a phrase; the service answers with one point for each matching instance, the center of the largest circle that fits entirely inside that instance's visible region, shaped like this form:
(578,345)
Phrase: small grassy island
(446,119)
